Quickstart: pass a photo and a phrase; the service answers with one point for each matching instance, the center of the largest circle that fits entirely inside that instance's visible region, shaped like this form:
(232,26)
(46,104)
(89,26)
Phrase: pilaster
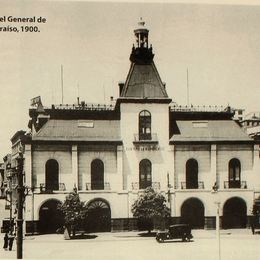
(119,167)
(74,152)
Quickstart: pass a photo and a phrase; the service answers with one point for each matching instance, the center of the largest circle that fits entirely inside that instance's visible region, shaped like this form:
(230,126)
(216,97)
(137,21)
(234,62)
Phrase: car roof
(179,225)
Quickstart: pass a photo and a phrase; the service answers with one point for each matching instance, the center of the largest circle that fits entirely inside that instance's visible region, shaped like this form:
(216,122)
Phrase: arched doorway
(192,174)
(234,213)
(97,175)
(192,213)
(234,172)
(99,216)
(145,174)
(51,175)
(145,132)
(50,217)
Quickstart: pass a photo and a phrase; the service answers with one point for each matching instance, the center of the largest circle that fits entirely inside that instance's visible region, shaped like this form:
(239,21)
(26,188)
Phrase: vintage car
(180,231)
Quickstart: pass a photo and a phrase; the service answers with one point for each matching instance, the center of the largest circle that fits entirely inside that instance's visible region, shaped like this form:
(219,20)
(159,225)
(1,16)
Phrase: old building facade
(111,153)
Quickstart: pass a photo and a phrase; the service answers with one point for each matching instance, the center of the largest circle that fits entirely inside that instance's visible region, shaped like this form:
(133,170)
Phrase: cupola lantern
(141,34)
(141,52)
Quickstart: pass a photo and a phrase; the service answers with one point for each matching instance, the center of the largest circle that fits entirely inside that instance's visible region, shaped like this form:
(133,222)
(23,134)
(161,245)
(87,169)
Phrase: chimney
(121,85)
(164,85)
(41,121)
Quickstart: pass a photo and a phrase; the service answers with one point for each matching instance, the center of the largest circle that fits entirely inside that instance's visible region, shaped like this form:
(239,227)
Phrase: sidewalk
(55,241)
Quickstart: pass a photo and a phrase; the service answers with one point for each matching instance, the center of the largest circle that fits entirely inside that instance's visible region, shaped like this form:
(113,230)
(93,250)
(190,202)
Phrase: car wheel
(160,240)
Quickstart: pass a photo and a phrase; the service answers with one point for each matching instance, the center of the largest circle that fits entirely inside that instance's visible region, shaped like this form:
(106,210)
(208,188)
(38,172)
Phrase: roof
(208,131)
(143,81)
(79,130)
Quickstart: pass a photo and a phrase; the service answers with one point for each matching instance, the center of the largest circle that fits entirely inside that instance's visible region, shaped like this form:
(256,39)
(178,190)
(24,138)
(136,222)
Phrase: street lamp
(20,201)
(10,193)
(215,191)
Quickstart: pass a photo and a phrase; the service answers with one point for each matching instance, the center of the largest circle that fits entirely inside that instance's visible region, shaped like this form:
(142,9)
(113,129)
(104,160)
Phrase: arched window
(145,174)
(51,175)
(234,170)
(97,175)
(192,174)
(145,125)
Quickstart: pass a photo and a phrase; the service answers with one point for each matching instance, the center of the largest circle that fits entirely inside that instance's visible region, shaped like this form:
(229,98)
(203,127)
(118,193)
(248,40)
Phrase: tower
(144,117)
(143,80)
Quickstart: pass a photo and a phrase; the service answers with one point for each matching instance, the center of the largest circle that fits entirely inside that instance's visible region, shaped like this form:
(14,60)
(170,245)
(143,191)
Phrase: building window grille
(145,132)
(145,174)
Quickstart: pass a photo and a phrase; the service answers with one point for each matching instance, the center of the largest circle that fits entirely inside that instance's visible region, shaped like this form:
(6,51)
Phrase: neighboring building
(239,114)
(2,181)
(251,123)
(112,153)
(10,180)
(6,195)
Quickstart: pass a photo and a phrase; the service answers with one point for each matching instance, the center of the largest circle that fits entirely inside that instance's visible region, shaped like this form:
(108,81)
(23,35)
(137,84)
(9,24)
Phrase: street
(235,244)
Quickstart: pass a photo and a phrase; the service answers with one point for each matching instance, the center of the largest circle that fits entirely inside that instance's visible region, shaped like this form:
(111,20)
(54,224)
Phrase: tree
(75,212)
(148,206)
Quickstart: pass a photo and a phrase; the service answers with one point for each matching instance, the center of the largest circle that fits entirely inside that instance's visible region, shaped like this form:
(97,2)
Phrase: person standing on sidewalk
(11,241)
(6,241)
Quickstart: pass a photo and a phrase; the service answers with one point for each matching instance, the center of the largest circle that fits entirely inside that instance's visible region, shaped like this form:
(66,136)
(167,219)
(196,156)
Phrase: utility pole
(20,200)
(169,193)
(218,229)
(215,191)
(61,84)
(188,91)
(11,209)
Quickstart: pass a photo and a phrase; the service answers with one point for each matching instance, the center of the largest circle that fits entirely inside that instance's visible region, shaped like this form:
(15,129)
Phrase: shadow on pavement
(146,234)
(83,237)
(177,241)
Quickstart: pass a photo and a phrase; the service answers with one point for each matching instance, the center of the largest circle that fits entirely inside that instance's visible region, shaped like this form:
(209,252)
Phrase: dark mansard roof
(211,131)
(79,130)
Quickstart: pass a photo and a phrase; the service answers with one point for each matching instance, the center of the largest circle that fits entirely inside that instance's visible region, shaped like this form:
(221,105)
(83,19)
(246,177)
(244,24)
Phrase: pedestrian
(11,241)
(5,241)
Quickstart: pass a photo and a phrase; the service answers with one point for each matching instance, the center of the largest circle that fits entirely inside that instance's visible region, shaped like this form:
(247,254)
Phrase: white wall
(62,154)
(244,153)
(202,154)
(159,156)
(108,155)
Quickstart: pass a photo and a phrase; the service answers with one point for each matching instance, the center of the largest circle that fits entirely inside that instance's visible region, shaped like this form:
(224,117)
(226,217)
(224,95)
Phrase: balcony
(145,139)
(10,173)
(235,185)
(51,189)
(8,207)
(199,186)
(98,186)
(155,185)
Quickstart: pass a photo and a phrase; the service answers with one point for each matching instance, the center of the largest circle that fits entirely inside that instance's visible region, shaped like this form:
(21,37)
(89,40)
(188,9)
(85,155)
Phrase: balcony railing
(148,138)
(155,185)
(235,185)
(98,186)
(44,189)
(192,108)
(200,186)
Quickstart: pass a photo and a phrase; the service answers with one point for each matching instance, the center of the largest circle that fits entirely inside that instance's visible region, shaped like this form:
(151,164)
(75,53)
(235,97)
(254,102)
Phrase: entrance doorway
(99,216)
(192,213)
(50,217)
(234,213)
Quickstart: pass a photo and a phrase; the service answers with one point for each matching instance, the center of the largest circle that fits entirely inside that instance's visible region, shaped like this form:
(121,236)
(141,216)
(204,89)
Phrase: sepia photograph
(130,130)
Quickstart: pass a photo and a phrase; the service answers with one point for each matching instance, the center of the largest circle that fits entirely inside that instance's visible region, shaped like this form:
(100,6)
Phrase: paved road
(235,245)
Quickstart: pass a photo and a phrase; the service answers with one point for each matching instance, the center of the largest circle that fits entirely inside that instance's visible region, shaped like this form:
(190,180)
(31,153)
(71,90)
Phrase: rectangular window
(198,124)
(85,124)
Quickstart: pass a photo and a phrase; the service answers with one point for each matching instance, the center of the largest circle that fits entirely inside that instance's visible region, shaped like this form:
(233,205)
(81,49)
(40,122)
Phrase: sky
(218,44)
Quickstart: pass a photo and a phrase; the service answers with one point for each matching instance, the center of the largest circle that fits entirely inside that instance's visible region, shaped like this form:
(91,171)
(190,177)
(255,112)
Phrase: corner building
(111,153)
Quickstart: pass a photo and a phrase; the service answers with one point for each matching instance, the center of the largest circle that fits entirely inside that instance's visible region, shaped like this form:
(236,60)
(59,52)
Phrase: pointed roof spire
(143,80)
